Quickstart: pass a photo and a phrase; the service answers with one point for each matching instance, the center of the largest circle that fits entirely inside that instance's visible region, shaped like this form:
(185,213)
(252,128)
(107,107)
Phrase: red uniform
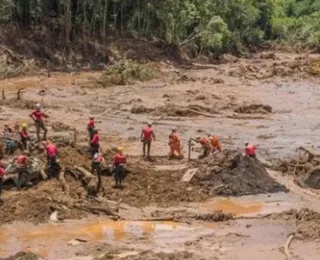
(251,150)
(147,133)
(204,141)
(51,150)
(95,139)
(38,115)
(91,124)
(119,158)
(24,134)
(22,160)
(99,159)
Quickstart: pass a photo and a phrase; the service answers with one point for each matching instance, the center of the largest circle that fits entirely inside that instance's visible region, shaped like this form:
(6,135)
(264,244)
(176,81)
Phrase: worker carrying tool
(215,144)
(250,149)
(205,145)
(97,161)
(91,126)
(37,116)
(119,164)
(22,168)
(95,142)
(174,143)
(147,135)
(51,154)
(2,174)
(24,137)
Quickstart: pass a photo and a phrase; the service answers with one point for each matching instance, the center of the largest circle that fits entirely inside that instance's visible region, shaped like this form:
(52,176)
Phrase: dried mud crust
(254,109)
(232,174)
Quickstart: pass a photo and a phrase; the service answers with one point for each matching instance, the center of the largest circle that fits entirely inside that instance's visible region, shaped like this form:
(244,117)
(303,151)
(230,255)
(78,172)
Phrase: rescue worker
(174,143)
(91,126)
(2,174)
(205,145)
(215,144)
(119,163)
(8,138)
(24,137)
(95,142)
(37,116)
(250,150)
(147,135)
(97,161)
(51,153)
(22,170)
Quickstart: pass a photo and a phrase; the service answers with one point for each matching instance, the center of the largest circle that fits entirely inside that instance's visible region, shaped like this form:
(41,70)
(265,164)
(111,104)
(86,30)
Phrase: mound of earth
(23,256)
(176,110)
(254,109)
(232,174)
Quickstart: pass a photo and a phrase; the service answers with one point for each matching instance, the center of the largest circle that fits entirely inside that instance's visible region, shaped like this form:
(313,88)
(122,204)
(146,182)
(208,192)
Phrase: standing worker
(250,150)
(51,153)
(91,127)
(119,163)
(205,146)
(22,169)
(37,116)
(147,135)
(95,142)
(97,160)
(174,143)
(8,138)
(2,174)
(24,137)
(215,144)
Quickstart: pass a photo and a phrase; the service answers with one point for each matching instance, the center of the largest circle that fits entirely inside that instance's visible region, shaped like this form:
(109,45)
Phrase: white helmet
(95,156)
(149,123)
(38,106)
(174,128)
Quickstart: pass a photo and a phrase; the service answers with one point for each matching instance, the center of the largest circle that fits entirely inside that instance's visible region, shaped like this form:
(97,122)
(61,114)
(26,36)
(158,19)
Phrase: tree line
(203,25)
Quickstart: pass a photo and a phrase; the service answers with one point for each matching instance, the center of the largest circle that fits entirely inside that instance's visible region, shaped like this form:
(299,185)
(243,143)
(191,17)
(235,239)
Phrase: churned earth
(233,208)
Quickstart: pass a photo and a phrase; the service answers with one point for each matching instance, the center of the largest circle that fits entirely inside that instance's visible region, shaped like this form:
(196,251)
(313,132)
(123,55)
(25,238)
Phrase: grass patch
(124,72)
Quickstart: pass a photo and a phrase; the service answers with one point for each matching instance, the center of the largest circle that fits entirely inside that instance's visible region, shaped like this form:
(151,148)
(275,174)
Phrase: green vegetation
(124,71)
(217,26)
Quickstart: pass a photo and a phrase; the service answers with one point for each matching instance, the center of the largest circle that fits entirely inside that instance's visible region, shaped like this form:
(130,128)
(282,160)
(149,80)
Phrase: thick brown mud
(272,103)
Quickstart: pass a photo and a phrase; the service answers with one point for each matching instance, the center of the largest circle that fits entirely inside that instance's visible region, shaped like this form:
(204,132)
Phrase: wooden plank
(189,175)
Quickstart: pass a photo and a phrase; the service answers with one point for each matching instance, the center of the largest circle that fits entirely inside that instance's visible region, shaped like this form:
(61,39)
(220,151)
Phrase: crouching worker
(2,174)
(215,144)
(24,137)
(22,169)
(250,150)
(51,153)
(205,144)
(119,164)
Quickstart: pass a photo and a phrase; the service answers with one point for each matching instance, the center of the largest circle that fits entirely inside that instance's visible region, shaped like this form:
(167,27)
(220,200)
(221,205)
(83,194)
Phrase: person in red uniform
(97,161)
(2,174)
(91,126)
(119,162)
(174,143)
(95,142)
(250,150)
(147,135)
(22,170)
(24,137)
(51,153)
(205,145)
(37,116)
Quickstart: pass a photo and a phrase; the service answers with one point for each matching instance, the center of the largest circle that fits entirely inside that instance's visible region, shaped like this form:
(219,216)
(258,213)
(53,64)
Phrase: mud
(232,174)
(23,256)
(254,109)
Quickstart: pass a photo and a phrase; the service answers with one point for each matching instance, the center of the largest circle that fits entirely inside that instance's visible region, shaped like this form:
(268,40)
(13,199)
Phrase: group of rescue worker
(210,145)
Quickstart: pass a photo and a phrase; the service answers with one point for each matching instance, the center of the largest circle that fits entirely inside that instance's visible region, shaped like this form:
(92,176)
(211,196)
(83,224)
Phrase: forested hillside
(218,26)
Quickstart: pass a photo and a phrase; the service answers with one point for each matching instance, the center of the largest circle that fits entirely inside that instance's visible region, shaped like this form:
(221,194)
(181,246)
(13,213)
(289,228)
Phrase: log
(287,245)
(201,113)
(86,175)
(64,184)
(189,175)
(157,219)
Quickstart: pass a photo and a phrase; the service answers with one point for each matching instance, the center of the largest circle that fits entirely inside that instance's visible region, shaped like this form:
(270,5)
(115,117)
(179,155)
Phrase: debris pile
(304,166)
(254,109)
(232,174)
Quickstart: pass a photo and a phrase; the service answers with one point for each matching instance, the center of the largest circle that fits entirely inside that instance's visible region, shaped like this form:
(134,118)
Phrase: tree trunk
(105,14)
